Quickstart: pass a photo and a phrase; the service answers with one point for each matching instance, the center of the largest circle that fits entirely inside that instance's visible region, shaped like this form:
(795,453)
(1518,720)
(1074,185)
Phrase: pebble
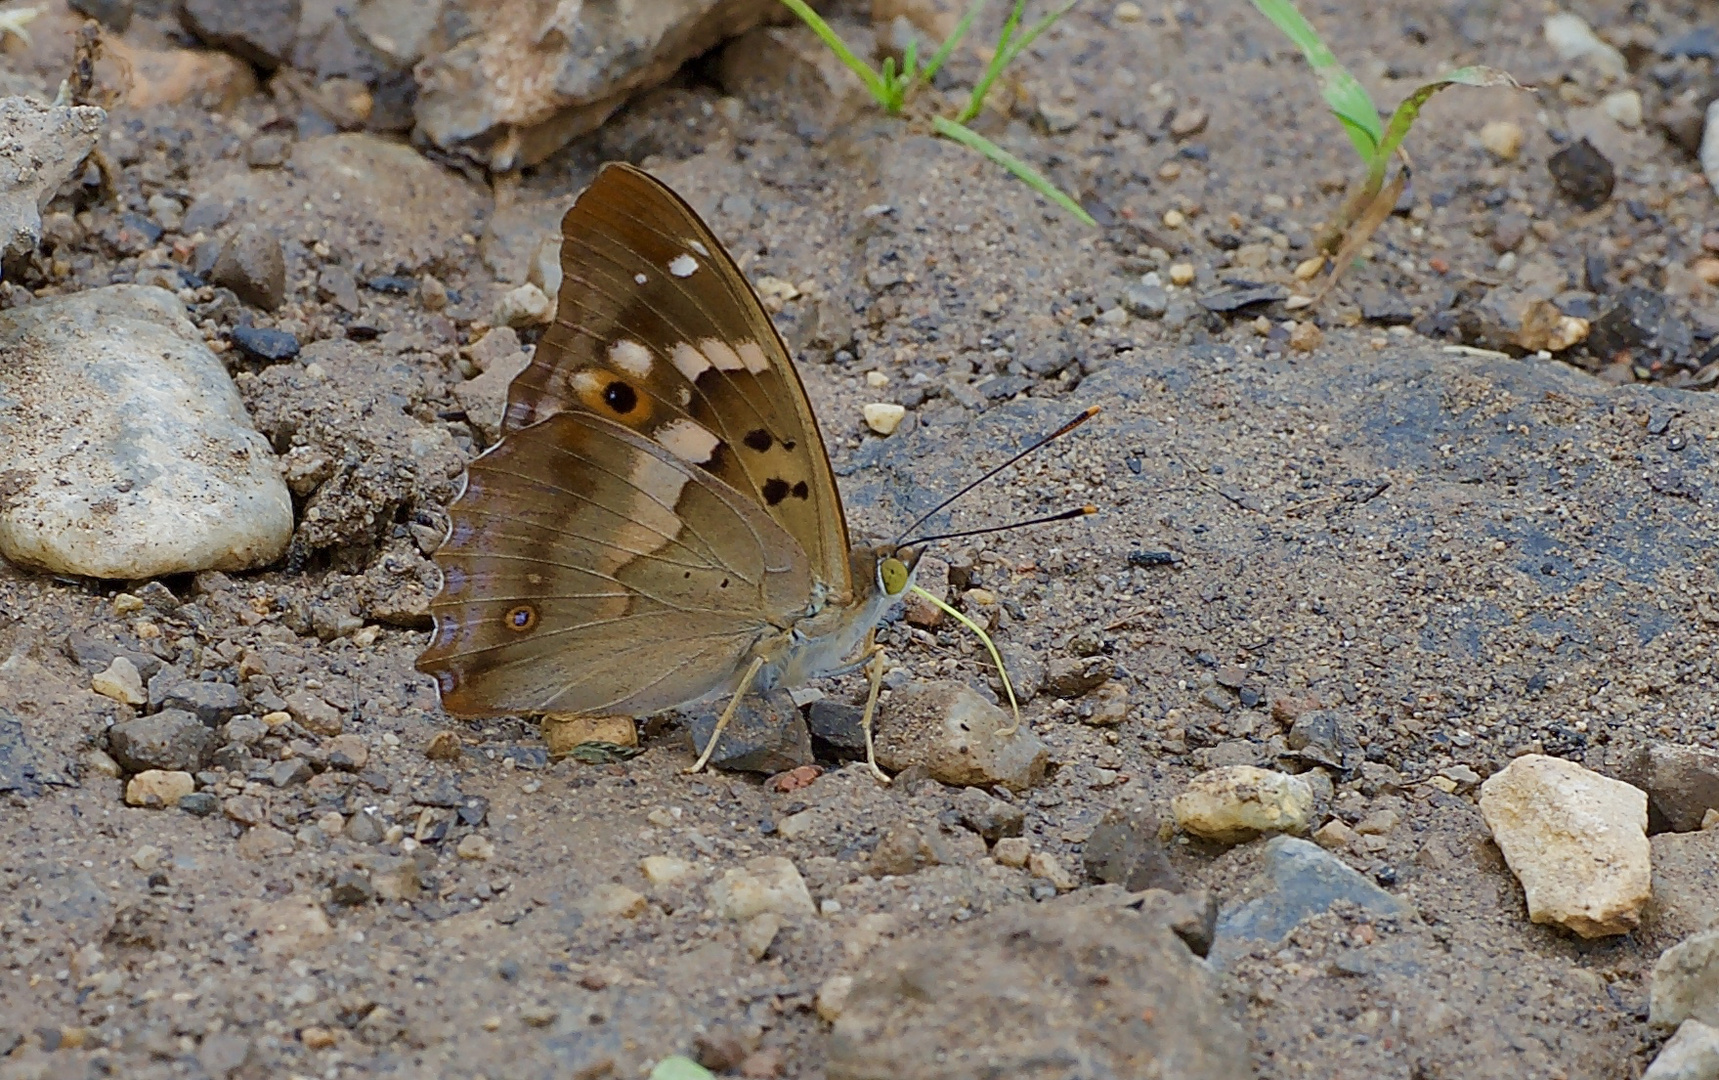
(348,753)
(45,144)
(610,900)
(265,343)
(1109,705)
(158,789)
(1573,39)
(336,284)
(443,746)
(1146,301)
(1576,840)
(171,739)
(1624,106)
(1335,835)
(1012,851)
(1690,1054)
(1709,153)
(1296,879)
(1502,139)
(476,847)
(767,734)
(133,456)
(931,575)
(1045,866)
(1181,273)
(832,997)
(1305,337)
(199,803)
(314,714)
(1071,677)
(316,1038)
(1584,175)
(1308,269)
(883,417)
(523,306)
(767,883)
(953,732)
(1236,803)
(991,818)
(121,682)
(1681,782)
(664,870)
(758,933)
(1124,850)
(252,265)
(1188,123)
(1685,984)
(363,827)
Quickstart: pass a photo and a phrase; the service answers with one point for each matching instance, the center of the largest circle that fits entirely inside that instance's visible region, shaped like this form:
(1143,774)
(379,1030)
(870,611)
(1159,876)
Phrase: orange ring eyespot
(522,619)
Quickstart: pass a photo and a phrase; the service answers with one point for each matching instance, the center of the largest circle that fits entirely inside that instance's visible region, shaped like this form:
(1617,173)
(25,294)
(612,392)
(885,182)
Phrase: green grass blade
(976,99)
(948,47)
(1014,48)
(873,82)
(1028,175)
(1345,95)
(1404,116)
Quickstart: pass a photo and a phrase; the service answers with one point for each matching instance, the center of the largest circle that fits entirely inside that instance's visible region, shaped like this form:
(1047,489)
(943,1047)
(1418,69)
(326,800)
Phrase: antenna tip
(1091,412)
(1088,509)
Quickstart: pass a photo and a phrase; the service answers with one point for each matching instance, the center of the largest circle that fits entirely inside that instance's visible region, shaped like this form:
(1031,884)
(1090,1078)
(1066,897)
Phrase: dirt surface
(1459,558)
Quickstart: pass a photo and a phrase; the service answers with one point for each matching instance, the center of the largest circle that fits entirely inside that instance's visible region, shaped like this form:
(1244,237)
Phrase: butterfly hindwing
(589,569)
(657,330)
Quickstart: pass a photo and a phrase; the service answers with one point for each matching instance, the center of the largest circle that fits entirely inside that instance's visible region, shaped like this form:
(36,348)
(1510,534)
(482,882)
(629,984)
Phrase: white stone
(1501,138)
(1710,146)
(1691,1054)
(43,145)
(661,870)
(883,417)
(759,933)
(524,306)
(1576,840)
(120,681)
(833,997)
(1573,39)
(768,883)
(1686,982)
(1624,107)
(1239,802)
(129,452)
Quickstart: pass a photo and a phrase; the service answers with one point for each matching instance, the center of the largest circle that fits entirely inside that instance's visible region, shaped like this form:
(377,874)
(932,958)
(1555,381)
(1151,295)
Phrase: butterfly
(658,523)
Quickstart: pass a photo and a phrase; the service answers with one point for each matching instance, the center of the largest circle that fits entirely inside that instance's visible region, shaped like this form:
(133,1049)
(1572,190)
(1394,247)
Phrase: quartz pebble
(883,417)
(1502,139)
(158,789)
(1239,802)
(767,883)
(121,682)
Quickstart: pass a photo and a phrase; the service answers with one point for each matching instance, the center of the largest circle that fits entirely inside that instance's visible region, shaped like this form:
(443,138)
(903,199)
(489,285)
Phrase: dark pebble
(1583,174)
(114,15)
(147,228)
(351,888)
(1643,323)
(199,803)
(393,284)
(1149,559)
(265,343)
(1386,307)
(1229,301)
(1701,43)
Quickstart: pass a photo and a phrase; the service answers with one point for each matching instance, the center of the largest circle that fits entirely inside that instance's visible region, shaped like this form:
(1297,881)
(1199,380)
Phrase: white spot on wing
(689,361)
(720,355)
(698,247)
(753,357)
(690,441)
(683,266)
(585,382)
(631,357)
(640,278)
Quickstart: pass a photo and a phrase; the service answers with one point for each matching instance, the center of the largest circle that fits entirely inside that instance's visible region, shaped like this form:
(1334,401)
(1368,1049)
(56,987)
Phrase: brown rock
(264,842)
(252,265)
(261,31)
(314,714)
(444,746)
(1682,784)
(158,789)
(1068,677)
(1125,850)
(932,576)
(955,734)
(347,753)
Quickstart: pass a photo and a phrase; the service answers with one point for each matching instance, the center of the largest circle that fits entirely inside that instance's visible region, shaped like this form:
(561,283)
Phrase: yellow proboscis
(990,645)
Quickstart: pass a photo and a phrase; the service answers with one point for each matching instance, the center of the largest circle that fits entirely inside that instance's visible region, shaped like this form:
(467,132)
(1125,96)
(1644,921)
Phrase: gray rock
(128,450)
(214,703)
(19,772)
(1146,301)
(1685,886)
(261,31)
(253,266)
(199,803)
(835,728)
(43,145)
(1682,784)
(1297,879)
(1686,982)
(244,731)
(766,735)
(295,770)
(1026,670)
(603,58)
(948,1004)
(1068,678)
(172,739)
(1691,1054)
(988,816)
(958,737)
(1125,850)
(336,283)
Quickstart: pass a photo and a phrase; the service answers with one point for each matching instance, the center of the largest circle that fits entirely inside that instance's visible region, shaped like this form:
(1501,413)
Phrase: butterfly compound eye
(893,573)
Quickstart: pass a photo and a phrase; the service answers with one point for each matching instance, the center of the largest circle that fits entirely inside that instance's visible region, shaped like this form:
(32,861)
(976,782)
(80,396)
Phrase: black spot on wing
(801,491)
(759,439)
(775,490)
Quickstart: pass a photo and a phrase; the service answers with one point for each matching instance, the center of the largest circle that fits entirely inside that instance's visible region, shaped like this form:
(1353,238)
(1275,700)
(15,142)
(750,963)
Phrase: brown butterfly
(658,524)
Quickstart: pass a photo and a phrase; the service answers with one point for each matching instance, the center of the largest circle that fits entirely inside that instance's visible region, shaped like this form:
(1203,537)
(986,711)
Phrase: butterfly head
(895,569)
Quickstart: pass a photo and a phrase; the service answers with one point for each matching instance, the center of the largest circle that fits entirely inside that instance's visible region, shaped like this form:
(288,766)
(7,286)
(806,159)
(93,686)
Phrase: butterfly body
(659,522)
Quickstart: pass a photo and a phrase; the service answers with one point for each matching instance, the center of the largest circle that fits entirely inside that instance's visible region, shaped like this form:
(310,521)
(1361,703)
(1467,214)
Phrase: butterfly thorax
(831,639)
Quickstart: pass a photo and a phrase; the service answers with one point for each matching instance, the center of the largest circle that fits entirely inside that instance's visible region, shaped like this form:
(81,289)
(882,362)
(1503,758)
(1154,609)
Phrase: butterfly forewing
(656,329)
(588,569)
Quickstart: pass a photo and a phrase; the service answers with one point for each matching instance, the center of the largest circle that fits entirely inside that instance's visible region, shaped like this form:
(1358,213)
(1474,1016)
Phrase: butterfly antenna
(1085,415)
(1079,511)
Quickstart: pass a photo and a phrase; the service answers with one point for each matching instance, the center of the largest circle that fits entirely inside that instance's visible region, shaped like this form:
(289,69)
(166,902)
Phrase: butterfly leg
(727,715)
(874,668)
